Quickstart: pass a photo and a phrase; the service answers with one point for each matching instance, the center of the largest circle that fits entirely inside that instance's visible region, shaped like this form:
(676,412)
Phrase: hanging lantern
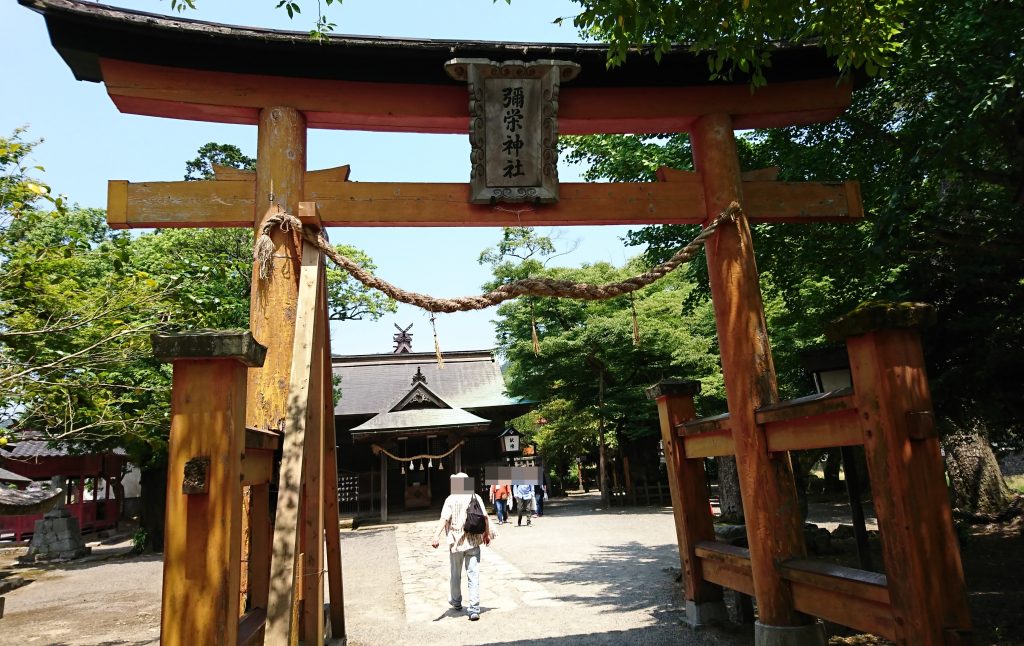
(412,465)
(430,463)
(420,465)
(440,465)
(403,469)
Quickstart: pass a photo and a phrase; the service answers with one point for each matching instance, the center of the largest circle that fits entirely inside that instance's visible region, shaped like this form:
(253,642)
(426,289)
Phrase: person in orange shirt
(499,498)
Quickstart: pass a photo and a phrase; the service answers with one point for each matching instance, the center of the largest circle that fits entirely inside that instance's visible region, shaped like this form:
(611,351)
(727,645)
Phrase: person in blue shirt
(524,502)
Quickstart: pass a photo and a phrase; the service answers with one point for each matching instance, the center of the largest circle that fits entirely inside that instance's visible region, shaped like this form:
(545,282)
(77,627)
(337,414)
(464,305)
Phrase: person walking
(524,502)
(462,509)
(540,492)
(499,497)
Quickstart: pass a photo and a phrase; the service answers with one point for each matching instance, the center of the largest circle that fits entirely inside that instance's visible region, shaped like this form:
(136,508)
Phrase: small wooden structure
(35,459)
(888,411)
(285,84)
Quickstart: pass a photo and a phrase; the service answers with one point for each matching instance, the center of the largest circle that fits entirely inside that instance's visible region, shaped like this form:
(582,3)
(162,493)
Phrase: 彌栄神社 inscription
(513,127)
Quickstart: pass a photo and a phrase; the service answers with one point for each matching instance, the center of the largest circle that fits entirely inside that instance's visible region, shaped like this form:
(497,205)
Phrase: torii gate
(284,84)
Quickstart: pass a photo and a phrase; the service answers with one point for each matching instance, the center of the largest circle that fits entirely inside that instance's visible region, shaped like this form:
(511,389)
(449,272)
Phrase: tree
(738,38)
(587,368)
(78,303)
(937,143)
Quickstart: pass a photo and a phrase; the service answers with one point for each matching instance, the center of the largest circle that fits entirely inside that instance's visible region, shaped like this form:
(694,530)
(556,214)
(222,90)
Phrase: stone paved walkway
(425,577)
(579,575)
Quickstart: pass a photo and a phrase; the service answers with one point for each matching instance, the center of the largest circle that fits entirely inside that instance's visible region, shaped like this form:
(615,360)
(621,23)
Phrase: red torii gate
(161,66)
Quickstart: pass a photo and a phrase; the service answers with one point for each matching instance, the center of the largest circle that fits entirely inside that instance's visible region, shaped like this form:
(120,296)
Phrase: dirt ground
(598,577)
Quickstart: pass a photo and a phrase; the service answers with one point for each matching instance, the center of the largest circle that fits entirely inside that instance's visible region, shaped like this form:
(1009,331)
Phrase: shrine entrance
(239,398)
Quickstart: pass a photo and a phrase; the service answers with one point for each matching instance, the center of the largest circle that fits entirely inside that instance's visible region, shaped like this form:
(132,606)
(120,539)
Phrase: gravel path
(579,575)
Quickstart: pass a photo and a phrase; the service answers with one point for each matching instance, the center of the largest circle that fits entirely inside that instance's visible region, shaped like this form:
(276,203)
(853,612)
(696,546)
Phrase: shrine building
(397,406)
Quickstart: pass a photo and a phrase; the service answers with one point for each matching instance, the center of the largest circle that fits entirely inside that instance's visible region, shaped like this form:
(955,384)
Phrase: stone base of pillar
(703,615)
(810,635)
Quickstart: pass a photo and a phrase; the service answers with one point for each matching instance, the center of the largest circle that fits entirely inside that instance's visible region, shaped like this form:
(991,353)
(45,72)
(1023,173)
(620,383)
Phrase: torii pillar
(767,487)
(280,167)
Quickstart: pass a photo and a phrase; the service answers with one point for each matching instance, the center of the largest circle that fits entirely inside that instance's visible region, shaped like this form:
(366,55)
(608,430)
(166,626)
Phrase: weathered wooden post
(770,505)
(688,486)
(922,561)
(202,544)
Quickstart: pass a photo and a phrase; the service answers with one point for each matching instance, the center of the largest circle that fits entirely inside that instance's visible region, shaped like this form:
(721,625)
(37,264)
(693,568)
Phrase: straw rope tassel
(437,344)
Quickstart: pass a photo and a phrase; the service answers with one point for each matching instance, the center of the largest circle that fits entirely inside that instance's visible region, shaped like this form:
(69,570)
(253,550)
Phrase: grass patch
(1016,483)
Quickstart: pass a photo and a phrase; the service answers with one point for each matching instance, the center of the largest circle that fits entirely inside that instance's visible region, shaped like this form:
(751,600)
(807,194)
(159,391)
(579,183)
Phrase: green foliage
(739,37)
(139,540)
(211,154)
(589,369)
(320,31)
(937,145)
(78,303)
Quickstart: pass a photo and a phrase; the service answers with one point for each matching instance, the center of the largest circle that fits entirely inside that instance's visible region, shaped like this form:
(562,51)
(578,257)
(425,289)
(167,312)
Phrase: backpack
(476,521)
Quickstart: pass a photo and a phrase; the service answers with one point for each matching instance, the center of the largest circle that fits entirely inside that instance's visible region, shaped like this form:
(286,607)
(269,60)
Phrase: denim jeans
(501,510)
(470,559)
(538,502)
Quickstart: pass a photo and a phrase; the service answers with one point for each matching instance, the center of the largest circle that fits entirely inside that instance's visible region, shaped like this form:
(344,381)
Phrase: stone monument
(57,535)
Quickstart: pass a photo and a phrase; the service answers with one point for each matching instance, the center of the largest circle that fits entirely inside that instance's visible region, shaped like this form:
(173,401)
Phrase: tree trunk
(976,483)
(154,505)
(729,490)
(832,464)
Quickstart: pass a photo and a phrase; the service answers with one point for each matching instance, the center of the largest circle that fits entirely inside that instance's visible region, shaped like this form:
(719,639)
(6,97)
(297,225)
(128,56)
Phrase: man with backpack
(465,524)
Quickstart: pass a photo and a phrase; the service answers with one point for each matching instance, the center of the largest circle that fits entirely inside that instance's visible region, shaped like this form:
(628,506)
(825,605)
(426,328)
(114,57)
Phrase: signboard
(510,443)
(513,127)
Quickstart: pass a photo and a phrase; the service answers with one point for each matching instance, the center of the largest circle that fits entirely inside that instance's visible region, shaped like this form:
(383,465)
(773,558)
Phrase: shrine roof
(32,445)
(10,476)
(433,419)
(14,502)
(469,380)
(84,33)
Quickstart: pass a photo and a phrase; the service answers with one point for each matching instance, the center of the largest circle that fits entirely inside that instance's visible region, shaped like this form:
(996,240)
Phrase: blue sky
(87,142)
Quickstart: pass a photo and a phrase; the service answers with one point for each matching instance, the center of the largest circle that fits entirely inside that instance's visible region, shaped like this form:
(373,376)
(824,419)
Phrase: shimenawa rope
(422,456)
(549,287)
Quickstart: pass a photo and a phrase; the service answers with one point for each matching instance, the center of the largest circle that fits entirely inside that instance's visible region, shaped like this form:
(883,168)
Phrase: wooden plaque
(513,128)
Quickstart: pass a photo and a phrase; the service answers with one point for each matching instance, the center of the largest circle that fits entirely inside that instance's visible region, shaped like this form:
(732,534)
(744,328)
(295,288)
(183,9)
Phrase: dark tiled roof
(10,476)
(14,502)
(32,448)
(371,384)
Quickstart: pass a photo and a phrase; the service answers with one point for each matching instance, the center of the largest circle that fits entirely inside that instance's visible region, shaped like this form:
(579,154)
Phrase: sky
(86,142)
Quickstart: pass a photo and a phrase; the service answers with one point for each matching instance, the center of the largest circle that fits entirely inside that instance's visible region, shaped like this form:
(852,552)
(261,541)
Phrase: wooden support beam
(226,97)
(709,445)
(311,624)
(705,425)
(257,467)
(332,520)
(726,565)
(853,598)
(260,532)
(262,440)
(839,428)
(283,570)
(687,486)
(229,203)
(774,527)
(250,627)
(908,487)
